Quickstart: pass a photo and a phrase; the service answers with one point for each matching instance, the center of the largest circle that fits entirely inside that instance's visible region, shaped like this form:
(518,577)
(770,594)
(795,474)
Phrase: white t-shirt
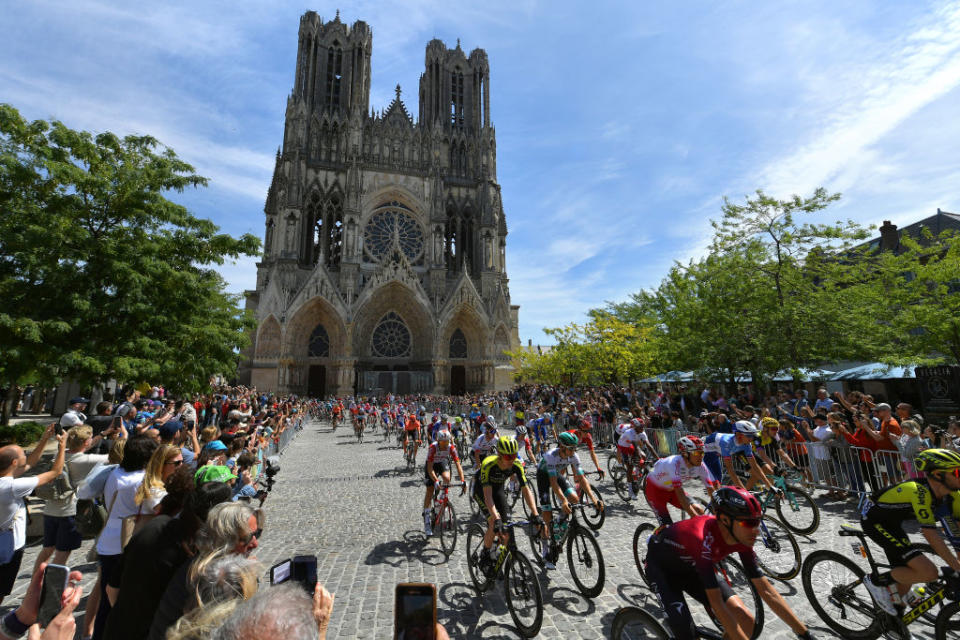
(13,511)
(124,485)
(820,451)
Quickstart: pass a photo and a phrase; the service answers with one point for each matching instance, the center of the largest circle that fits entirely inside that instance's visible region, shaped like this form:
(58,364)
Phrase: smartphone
(280,572)
(304,571)
(55,578)
(415,611)
(58,429)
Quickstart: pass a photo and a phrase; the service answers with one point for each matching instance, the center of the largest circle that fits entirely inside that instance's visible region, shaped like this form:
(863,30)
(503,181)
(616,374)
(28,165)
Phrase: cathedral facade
(384,262)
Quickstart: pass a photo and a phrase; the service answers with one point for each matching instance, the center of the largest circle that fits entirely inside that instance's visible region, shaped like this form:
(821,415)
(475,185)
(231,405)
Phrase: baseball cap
(215,445)
(213,473)
(170,428)
(80,400)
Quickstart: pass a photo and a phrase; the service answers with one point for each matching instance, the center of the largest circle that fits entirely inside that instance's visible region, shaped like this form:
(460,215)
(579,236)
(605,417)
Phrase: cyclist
(664,483)
(549,479)
(681,559)
(359,422)
(484,444)
(582,429)
(769,447)
(488,492)
(537,428)
(933,498)
(617,432)
(722,447)
(523,442)
(629,454)
(337,411)
(411,433)
(439,456)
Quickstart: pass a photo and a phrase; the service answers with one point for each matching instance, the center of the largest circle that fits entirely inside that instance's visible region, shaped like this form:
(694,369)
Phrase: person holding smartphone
(13,511)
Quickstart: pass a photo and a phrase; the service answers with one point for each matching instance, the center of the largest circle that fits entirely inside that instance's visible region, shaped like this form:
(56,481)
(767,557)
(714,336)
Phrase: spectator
(283,611)
(823,404)
(23,618)
(155,553)
(60,533)
(120,493)
(13,511)
(910,445)
(74,415)
(232,528)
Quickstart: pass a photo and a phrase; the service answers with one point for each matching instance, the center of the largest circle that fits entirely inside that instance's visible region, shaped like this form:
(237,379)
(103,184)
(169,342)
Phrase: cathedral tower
(384,265)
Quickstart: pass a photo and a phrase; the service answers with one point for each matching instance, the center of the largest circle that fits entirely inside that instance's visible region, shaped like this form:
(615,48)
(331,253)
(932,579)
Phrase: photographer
(24,618)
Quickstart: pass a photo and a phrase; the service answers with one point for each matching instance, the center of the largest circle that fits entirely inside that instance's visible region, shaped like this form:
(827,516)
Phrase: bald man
(13,512)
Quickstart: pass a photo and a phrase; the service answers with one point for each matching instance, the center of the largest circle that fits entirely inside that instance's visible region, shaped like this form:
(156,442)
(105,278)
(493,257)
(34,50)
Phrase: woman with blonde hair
(222,585)
(162,464)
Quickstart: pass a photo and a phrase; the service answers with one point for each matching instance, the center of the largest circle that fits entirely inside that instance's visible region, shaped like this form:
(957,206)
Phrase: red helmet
(688,444)
(736,502)
(637,423)
(585,425)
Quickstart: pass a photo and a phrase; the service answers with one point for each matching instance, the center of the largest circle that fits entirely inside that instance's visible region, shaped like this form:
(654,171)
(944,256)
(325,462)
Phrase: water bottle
(916,595)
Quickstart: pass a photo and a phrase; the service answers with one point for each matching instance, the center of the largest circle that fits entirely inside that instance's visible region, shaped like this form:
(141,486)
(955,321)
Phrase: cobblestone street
(358,509)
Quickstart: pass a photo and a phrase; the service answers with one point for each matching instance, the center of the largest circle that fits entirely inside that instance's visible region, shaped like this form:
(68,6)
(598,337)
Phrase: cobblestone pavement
(358,509)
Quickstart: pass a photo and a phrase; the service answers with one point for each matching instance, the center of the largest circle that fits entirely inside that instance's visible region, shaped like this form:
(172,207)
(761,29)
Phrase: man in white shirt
(74,416)
(13,511)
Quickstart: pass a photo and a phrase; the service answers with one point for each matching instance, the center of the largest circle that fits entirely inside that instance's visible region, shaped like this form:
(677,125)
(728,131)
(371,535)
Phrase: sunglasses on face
(509,456)
(750,523)
(175,463)
(255,534)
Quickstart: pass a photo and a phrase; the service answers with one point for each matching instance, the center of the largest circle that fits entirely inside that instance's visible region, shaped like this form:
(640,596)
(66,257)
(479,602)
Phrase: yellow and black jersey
(913,499)
(490,472)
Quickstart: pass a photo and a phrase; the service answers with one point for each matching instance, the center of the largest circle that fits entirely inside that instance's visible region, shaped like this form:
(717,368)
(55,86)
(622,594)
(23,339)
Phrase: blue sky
(620,126)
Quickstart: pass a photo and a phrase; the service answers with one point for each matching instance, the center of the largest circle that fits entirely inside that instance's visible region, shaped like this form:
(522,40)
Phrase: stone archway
(459,374)
(316,340)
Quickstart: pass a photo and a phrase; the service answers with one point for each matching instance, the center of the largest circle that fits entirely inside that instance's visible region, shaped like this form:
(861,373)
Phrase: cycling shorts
(544,490)
(438,468)
(626,452)
(499,500)
(670,584)
(886,529)
(659,498)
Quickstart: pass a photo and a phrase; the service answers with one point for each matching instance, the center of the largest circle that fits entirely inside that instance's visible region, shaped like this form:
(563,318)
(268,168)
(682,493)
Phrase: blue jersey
(726,445)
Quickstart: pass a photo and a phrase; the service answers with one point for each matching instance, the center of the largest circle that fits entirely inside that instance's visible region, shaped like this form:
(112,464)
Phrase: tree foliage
(101,275)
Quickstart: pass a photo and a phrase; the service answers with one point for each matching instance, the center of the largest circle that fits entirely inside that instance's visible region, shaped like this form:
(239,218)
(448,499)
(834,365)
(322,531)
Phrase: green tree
(101,275)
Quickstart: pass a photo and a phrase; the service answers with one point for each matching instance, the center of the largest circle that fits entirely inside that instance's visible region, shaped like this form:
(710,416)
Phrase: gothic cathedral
(384,253)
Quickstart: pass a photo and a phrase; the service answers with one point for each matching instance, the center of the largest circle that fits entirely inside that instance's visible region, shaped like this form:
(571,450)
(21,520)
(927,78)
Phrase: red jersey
(697,542)
(584,438)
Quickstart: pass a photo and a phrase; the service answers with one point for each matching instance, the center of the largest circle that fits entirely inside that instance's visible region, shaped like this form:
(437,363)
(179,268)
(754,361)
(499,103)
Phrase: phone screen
(280,572)
(415,612)
(51,593)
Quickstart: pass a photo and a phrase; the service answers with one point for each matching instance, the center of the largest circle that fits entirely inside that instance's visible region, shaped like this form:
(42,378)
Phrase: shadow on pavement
(637,594)
(569,601)
(413,546)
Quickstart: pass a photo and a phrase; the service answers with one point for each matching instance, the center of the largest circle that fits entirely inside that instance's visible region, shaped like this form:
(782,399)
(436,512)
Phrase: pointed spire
(398,91)
(337,17)
(458,43)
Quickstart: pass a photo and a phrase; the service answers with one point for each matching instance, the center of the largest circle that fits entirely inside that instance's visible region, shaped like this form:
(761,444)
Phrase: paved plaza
(358,509)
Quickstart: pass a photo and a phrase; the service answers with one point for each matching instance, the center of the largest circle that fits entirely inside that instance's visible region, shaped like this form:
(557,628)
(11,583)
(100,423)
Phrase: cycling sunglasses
(750,523)
(509,456)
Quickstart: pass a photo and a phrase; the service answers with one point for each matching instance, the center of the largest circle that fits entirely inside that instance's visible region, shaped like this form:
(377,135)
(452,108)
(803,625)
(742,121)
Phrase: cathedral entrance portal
(458,380)
(317,381)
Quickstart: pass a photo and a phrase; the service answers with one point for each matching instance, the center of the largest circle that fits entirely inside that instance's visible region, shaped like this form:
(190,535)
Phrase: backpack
(91,517)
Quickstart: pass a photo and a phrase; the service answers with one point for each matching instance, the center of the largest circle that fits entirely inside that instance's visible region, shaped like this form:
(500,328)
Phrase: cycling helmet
(637,423)
(746,427)
(736,502)
(568,439)
(547,417)
(491,422)
(521,430)
(507,445)
(770,423)
(688,444)
(585,425)
(937,460)
(458,419)
(443,436)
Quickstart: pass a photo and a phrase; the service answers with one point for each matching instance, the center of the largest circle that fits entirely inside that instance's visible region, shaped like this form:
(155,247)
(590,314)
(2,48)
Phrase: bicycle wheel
(633,623)
(613,465)
(474,507)
(447,528)
(798,512)
(948,622)
(778,553)
(732,572)
(524,598)
(586,562)
(640,537)
(834,587)
(474,550)
(593,516)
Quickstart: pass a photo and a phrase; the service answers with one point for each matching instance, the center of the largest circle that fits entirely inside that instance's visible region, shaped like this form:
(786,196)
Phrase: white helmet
(443,436)
(746,427)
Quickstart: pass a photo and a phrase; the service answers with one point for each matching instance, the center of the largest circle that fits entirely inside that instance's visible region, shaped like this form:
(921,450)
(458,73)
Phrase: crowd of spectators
(169,487)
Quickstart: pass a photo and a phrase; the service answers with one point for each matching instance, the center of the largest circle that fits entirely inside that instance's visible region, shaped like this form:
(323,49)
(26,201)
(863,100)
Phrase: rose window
(391,226)
(391,338)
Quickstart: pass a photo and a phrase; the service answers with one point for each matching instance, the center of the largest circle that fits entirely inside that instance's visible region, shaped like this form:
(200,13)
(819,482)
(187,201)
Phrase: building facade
(384,263)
